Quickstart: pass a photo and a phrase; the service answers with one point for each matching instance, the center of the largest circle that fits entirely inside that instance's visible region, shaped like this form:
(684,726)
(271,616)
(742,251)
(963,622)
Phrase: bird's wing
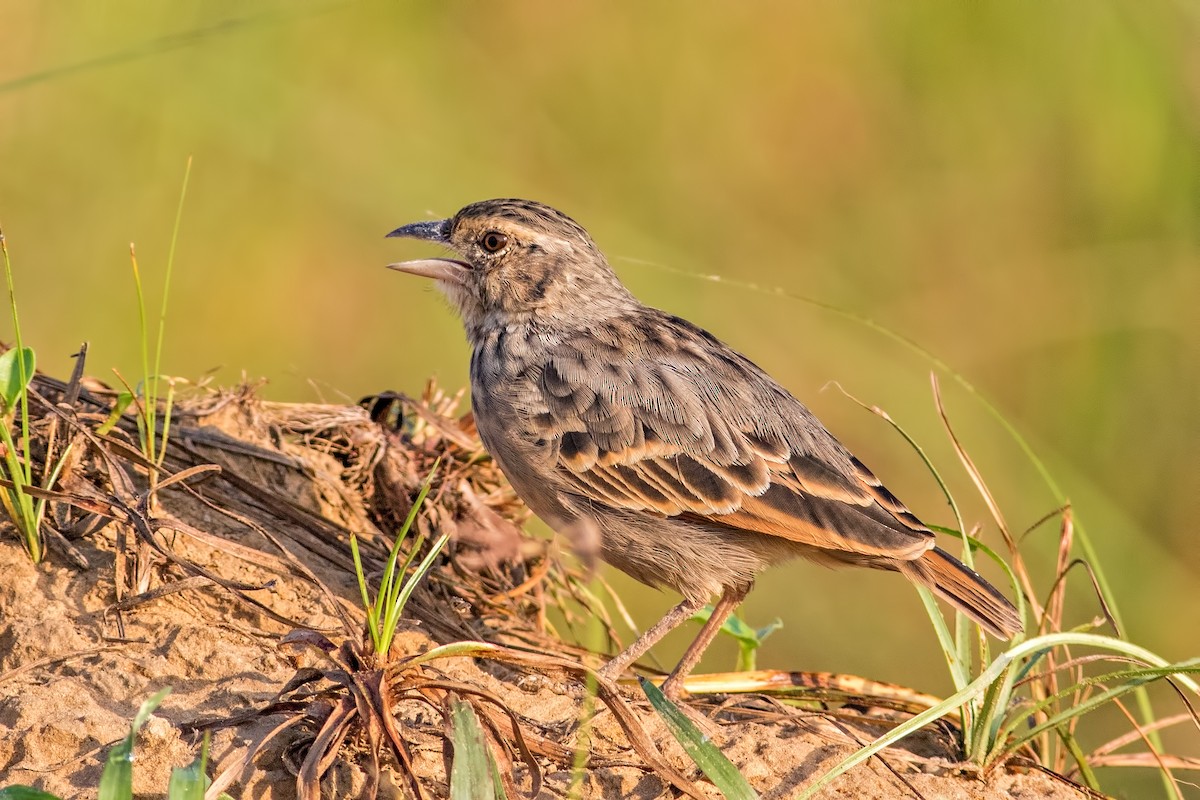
(665,419)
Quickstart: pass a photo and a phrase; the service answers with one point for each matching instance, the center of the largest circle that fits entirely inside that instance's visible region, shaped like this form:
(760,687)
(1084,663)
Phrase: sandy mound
(194,585)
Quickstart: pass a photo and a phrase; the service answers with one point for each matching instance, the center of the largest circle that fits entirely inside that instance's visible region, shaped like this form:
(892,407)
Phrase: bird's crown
(529,214)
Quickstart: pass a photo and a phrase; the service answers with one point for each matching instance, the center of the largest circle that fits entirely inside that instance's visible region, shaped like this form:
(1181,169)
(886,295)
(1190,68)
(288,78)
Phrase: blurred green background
(1015,186)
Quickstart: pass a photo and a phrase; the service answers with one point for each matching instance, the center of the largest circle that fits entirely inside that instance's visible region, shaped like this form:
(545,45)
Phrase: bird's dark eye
(493,241)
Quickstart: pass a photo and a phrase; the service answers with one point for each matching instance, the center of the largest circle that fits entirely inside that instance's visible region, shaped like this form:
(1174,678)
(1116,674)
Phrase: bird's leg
(733,596)
(621,662)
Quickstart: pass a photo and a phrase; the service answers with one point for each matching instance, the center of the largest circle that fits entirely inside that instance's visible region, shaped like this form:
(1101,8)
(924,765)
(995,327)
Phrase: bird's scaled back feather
(706,434)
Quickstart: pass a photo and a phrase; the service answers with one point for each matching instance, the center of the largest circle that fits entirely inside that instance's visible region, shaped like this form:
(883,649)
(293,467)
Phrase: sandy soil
(75,663)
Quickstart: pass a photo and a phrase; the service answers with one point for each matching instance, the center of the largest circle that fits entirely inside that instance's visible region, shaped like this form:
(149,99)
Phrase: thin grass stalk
(146,421)
(153,380)
(48,483)
(1133,678)
(162,316)
(986,493)
(376,612)
(1158,757)
(1064,745)
(1052,619)
(168,407)
(1139,732)
(957,647)
(583,739)
(16,501)
(597,630)
(945,638)
(6,497)
(1071,745)
(958,656)
(20,344)
(362,586)
(21,470)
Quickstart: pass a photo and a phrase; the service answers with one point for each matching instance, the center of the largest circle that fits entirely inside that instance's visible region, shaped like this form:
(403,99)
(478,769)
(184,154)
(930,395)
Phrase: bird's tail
(963,588)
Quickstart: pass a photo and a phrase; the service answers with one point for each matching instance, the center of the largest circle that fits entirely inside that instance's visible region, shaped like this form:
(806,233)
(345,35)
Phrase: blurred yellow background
(1015,186)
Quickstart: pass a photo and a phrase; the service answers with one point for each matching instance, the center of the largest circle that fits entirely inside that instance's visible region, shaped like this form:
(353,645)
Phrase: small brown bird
(645,439)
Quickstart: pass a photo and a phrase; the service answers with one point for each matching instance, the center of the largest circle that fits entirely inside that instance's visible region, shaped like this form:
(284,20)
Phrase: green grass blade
(395,583)
(123,401)
(368,606)
(389,582)
(1131,679)
(1086,774)
(595,639)
(25,375)
(707,756)
(393,590)
(26,793)
(1031,662)
(190,782)
(15,375)
(39,507)
(116,782)
(16,392)
(168,409)
(162,315)
(990,718)
(958,671)
(17,503)
(471,771)
(419,573)
(146,424)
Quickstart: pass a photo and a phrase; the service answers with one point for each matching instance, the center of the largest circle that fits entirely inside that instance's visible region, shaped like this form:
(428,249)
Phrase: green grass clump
(1026,703)
(149,392)
(368,682)
(17,368)
(383,613)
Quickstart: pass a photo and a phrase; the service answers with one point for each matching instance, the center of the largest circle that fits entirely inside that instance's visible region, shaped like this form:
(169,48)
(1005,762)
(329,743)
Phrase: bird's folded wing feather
(704,434)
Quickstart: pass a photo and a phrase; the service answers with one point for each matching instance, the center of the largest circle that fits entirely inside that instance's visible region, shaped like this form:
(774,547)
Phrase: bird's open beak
(434,230)
(441,269)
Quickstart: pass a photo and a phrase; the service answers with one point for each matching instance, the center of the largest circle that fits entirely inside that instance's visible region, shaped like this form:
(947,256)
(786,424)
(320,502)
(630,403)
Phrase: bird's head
(517,259)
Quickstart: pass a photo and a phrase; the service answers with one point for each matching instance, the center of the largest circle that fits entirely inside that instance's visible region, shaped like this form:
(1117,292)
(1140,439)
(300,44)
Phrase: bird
(648,442)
